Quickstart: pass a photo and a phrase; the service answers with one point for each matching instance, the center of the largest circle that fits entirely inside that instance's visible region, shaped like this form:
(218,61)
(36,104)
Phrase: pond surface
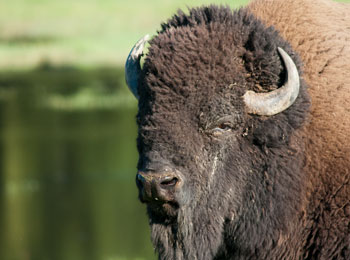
(67,178)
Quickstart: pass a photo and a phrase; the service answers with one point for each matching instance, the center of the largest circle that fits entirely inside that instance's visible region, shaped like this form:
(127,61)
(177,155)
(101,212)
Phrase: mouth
(163,209)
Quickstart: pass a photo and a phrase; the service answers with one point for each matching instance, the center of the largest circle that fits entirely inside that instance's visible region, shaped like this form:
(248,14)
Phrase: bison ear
(274,102)
(133,67)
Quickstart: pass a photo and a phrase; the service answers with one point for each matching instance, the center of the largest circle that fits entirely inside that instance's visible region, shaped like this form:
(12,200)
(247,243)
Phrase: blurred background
(67,128)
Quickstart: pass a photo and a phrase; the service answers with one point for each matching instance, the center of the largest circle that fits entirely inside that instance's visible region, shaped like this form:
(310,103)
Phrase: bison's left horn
(276,101)
(133,67)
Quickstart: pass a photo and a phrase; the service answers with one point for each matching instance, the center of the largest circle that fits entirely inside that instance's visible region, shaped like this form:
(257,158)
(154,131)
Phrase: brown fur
(319,30)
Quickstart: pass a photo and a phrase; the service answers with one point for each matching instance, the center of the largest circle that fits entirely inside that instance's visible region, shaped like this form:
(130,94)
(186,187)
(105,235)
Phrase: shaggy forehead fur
(213,54)
(211,48)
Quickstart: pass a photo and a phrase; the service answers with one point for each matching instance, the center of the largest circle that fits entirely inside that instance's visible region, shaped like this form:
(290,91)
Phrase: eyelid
(224,126)
(219,131)
(228,123)
(223,120)
(221,127)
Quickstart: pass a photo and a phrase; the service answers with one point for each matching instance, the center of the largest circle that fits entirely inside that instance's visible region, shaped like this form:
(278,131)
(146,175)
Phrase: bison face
(194,165)
(191,127)
(186,150)
(213,152)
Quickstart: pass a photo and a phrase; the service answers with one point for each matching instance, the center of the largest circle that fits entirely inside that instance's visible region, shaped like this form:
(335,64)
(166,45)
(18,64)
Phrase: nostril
(169,182)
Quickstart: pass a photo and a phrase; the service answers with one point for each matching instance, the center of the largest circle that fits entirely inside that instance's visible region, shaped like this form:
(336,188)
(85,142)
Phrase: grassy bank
(67,88)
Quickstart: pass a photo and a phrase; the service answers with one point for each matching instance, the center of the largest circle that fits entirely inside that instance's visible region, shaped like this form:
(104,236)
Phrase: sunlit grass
(80,32)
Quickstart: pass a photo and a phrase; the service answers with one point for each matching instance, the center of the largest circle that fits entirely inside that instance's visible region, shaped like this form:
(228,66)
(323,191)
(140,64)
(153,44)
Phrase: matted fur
(268,187)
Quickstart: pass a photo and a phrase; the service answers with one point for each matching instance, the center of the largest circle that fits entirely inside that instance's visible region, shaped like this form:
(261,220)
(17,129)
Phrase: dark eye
(221,128)
(224,126)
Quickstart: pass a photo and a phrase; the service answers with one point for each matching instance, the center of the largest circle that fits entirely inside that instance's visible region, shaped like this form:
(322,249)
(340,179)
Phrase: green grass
(84,33)
(80,32)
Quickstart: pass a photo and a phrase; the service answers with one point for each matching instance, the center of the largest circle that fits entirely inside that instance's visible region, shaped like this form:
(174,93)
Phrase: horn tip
(280,50)
(132,65)
(137,51)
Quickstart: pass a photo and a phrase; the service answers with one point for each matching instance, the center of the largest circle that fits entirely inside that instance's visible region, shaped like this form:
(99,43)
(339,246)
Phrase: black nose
(161,187)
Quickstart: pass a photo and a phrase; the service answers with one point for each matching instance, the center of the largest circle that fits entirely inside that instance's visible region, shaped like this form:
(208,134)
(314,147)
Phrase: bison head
(220,154)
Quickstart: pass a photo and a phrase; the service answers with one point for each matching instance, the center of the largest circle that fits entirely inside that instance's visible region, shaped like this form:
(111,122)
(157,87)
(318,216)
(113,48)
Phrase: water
(67,173)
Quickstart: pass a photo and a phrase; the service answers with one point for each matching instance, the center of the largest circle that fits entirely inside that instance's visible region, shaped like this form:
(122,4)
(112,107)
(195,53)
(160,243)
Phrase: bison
(243,131)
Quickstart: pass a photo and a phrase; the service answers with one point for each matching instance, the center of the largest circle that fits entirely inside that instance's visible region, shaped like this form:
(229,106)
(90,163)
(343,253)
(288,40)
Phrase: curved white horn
(133,67)
(276,101)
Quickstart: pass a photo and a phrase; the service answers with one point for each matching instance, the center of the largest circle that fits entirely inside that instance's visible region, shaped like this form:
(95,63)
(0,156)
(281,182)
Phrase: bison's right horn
(276,101)
(133,67)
